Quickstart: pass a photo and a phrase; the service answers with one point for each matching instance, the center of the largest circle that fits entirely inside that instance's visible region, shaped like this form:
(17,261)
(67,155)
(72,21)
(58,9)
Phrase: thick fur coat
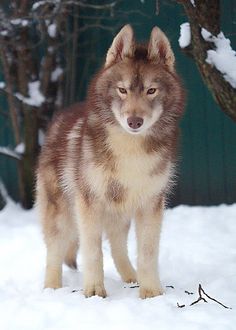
(110,160)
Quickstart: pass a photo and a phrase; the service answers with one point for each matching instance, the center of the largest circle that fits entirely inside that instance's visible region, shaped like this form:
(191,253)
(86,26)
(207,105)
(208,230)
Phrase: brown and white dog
(112,160)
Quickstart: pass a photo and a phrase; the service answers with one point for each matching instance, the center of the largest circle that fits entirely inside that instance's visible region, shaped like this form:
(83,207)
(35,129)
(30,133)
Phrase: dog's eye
(151,91)
(122,90)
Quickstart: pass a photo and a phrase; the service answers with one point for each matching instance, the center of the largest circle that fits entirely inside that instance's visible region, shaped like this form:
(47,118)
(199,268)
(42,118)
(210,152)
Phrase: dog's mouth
(134,130)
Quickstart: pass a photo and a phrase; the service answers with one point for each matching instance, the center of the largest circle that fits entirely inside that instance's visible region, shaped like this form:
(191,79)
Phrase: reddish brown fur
(82,165)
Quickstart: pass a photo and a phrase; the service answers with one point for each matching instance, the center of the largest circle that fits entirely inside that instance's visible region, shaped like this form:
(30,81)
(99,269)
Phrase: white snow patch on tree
(52,30)
(20,148)
(16,21)
(41,137)
(223,57)
(4,33)
(193,3)
(35,98)
(38,4)
(56,74)
(185,35)
(9,152)
(19,21)
(25,22)
(3,191)
(2,84)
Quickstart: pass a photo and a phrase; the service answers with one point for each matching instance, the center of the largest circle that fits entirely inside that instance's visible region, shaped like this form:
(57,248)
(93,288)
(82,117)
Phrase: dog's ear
(159,48)
(121,47)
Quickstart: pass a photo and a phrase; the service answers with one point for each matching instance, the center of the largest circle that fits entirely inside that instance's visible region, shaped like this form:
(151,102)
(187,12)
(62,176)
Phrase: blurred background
(50,49)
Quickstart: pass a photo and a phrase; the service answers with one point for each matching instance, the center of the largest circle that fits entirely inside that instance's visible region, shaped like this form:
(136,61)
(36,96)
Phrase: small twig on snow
(200,296)
(132,287)
(218,302)
(201,292)
(180,306)
(186,291)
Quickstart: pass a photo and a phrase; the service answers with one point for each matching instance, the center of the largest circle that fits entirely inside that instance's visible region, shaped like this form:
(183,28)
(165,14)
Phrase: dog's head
(138,83)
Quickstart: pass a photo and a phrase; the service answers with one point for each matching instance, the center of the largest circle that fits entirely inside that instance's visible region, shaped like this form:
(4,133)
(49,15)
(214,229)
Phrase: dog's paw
(95,290)
(53,283)
(130,277)
(150,292)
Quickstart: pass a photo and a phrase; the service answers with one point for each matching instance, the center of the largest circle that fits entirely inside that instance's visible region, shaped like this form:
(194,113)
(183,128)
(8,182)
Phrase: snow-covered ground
(198,245)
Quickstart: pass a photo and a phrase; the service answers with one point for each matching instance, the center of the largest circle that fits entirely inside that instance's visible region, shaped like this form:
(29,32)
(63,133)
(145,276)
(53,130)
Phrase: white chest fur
(133,172)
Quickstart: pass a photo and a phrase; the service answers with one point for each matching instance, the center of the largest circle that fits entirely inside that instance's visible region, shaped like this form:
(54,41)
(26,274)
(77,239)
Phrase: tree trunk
(26,70)
(206,14)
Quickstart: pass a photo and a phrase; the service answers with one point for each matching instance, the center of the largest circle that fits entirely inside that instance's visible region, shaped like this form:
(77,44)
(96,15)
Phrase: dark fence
(207,166)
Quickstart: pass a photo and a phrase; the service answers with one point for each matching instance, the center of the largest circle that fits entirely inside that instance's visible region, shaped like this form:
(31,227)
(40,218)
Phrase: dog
(110,160)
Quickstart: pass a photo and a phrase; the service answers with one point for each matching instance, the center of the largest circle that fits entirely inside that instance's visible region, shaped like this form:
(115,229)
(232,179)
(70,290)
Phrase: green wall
(207,165)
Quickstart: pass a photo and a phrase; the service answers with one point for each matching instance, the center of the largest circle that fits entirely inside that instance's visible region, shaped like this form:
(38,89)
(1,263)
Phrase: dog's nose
(135,122)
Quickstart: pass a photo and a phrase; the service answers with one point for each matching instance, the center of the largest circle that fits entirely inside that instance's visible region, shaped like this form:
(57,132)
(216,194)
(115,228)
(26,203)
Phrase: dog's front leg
(148,227)
(90,230)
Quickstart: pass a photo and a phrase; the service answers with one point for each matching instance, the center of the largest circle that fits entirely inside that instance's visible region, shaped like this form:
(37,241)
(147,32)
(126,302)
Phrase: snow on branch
(56,74)
(193,3)
(3,195)
(10,153)
(2,85)
(110,5)
(223,57)
(52,30)
(20,148)
(38,4)
(185,35)
(35,98)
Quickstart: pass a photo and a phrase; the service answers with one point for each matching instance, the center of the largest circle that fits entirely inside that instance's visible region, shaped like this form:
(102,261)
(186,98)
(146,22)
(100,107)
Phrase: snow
(35,98)
(3,191)
(56,74)
(52,30)
(25,22)
(20,148)
(198,245)
(4,33)
(223,57)
(9,152)
(193,3)
(41,137)
(2,84)
(16,21)
(185,35)
(37,4)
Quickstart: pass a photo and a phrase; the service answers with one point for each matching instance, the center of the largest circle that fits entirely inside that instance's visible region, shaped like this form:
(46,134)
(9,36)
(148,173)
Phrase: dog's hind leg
(55,257)
(117,233)
(57,224)
(61,247)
